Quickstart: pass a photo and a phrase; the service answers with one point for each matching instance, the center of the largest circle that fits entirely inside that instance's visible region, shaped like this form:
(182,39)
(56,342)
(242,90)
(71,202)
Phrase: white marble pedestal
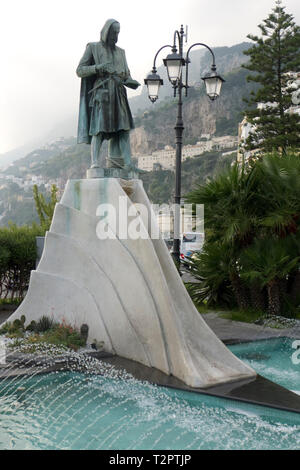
(127,291)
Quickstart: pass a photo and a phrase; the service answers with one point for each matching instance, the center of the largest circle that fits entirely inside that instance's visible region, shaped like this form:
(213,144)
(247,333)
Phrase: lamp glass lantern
(174,63)
(153,82)
(213,83)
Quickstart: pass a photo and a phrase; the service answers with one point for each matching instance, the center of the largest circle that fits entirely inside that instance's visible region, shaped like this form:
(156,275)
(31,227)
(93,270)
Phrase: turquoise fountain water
(102,408)
(273,358)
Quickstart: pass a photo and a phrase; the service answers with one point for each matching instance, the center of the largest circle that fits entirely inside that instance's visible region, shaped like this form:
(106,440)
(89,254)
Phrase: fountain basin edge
(254,390)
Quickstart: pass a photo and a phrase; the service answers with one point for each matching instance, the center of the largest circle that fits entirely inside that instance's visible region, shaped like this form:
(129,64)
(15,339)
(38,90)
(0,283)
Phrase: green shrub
(46,331)
(15,329)
(45,209)
(251,256)
(17,324)
(5,328)
(17,259)
(65,335)
(44,324)
(31,326)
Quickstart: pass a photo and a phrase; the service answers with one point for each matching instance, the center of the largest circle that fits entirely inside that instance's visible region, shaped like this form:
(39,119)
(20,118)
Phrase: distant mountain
(66,128)
(9,157)
(17,203)
(155,126)
(34,160)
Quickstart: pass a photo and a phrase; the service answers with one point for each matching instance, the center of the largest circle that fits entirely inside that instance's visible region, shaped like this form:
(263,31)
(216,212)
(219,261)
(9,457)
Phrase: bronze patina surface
(104,112)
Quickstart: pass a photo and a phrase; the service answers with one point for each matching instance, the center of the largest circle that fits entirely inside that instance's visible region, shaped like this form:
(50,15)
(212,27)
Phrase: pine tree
(272,59)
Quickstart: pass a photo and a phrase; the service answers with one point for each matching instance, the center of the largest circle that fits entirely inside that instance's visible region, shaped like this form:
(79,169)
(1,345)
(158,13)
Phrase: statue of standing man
(104,112)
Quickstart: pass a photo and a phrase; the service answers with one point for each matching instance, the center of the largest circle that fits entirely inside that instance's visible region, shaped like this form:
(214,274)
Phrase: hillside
(17,203)
(227,59)
(35,159)
(155,127)
(160,185)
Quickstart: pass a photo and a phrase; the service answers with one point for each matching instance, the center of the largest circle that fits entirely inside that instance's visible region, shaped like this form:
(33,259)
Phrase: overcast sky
(42,41)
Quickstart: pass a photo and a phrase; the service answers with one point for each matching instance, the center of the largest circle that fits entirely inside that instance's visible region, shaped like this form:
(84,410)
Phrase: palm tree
(278,192)
(230,224)
(230,205)
(256,208)
(210,271)
(267,262)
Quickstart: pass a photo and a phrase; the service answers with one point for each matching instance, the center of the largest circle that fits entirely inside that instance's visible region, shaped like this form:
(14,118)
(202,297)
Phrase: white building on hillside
(166,158)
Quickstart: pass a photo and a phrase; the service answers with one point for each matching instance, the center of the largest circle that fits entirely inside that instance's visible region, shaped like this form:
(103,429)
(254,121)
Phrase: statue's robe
(106,109)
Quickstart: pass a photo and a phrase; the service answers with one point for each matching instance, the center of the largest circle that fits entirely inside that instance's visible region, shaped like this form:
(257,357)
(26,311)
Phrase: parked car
(190,242)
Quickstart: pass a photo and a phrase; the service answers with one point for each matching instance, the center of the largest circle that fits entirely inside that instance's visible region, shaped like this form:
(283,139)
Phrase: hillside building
(165,159)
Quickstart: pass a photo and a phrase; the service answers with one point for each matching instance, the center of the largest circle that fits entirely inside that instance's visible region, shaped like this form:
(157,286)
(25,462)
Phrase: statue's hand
(104,68)
(130,83)
(117,79)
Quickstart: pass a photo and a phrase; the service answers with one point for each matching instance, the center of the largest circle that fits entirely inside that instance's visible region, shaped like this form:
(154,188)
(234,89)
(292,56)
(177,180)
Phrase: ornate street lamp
(174,63)
(213,84)
(153,82)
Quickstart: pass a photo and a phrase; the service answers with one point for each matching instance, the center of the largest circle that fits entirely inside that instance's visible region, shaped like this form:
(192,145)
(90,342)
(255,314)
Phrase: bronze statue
(104,111)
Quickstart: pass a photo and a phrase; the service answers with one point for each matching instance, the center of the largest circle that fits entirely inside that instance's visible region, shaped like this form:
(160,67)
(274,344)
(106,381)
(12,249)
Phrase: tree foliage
(252,247)
(17,259)
(45,209)
(18,248)
(275,54)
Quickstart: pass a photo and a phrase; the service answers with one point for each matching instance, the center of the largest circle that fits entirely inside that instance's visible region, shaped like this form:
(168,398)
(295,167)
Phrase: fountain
(58,399)
(67,400)
(127,291)
(130,295)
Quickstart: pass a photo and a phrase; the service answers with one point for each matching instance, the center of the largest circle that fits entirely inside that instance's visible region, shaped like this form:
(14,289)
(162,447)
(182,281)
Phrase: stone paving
(234,331)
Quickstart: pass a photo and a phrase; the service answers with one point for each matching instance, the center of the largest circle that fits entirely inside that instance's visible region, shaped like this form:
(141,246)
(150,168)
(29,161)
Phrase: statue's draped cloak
(105,109)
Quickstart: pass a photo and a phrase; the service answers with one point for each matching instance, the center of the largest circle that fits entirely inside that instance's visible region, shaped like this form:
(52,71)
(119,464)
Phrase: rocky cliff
(155,127)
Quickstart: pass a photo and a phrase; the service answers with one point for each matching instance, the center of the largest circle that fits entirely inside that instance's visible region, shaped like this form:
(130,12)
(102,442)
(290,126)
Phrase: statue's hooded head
(110,32)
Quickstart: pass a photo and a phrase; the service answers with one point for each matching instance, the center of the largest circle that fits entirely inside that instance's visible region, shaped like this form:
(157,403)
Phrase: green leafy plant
(45,331)
(14,329)
(63,334)
(252,249)
(267,262)
(17,259)
(209,268)
(32,326)
(45,209)
(44,324)
(273,56)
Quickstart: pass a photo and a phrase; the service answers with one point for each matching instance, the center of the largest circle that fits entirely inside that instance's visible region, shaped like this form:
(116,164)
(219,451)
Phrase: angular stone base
(127,290)
(255,390)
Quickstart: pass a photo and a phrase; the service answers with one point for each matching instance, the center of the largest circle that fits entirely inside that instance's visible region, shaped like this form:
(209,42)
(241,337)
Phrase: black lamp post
(213,82)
